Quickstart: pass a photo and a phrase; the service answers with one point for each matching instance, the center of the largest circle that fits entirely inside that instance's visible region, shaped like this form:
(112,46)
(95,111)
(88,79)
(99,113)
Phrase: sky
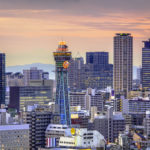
(31,29)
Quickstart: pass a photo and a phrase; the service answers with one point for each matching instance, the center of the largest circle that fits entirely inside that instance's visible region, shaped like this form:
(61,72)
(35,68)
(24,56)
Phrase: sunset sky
(31,29)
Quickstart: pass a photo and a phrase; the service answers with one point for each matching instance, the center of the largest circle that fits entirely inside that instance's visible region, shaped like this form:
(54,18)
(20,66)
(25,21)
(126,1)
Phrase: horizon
(50,70)
(47,64)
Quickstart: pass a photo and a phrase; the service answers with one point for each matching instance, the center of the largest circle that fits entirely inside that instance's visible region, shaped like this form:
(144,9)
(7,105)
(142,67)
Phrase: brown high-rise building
(123,53)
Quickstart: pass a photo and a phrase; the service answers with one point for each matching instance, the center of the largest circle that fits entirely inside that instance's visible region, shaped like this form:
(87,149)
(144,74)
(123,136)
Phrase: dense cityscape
(74,74)
(93,105)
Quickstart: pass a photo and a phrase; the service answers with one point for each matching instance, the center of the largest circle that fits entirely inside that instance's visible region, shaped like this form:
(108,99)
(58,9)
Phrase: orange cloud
(37,31)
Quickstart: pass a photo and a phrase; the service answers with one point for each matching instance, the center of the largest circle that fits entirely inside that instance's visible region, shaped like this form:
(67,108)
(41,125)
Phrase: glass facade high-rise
(2,79)
(21,97)
(146,65)
(96,58)
(98,71)
(123,53)
(62,57)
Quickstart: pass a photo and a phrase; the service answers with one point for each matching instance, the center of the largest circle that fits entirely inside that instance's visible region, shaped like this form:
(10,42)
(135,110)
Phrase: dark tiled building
(97,58)
(2,78)
(98,71)
(38,121)
(146,65)
(21,97)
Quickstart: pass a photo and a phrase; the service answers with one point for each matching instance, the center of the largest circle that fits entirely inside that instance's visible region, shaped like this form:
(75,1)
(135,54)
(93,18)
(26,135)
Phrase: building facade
(32,74)
(97,58)
(146,65)
(38,120)
(87,100)
(14,79)
(147,124)
(2,79)
(110,125)
(123,57)
(21,97)
(14,137)
(98,73)
(135,106)
(76,74)
(78,99)
(2,116)
(139,75)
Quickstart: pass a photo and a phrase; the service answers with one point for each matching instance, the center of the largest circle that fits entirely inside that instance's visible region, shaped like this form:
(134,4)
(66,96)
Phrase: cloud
(29,28)
(52,23)
(111,15)
(79,7)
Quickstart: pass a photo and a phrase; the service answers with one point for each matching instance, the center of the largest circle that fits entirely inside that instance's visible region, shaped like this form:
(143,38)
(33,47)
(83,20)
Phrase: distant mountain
(45,67)
(48,68)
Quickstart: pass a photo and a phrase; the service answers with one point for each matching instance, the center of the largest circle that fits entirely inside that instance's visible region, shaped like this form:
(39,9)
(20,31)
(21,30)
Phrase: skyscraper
(62,56)
(123,53)
(2,79)
(76,74)
(146,65)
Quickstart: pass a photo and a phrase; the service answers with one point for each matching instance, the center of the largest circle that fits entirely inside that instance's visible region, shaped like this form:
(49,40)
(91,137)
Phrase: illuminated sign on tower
(62,56)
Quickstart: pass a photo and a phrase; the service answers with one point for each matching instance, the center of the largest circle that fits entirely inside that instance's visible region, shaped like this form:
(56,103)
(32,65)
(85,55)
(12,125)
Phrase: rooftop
(118,116)
(14,127)
(123,34)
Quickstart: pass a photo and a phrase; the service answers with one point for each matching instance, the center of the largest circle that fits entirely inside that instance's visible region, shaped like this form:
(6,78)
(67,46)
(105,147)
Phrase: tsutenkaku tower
(62,56)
